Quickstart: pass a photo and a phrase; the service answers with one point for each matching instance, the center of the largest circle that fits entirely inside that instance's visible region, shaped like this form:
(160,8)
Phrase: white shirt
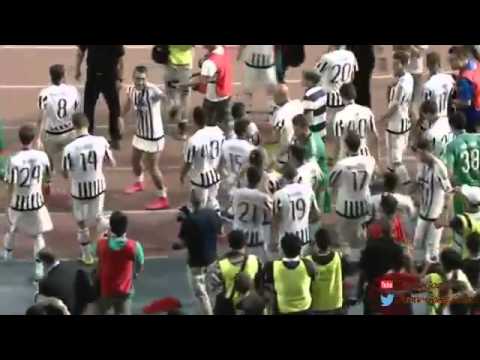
(294,202)
(400,94)
(352,177)
(203,151)
(282,122)
(310,174)
(235,153)
(147,106)
(434,184)
(259,56)
(315,100)
(439,88)
(58,103)
(359,119)
(25,171)
(440,134)
(252,209)
(405,203)
(83,159)
(209,69)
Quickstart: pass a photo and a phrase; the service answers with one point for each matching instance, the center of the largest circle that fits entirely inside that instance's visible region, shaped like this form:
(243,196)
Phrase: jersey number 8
(471,160)
(62,109)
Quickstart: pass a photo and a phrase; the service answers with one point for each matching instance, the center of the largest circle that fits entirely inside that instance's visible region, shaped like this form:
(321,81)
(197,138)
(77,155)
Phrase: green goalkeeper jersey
(463,159)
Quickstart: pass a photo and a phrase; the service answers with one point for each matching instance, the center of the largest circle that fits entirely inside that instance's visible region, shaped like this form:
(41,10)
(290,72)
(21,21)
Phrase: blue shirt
(466,92)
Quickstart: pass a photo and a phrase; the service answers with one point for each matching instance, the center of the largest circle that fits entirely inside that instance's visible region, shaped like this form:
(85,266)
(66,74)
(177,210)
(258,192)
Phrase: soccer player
(57,103)
(390,184)
(309,173)
(337,67)
(357,118)
(239,113)
(27,212)
(315,103)
(439,87)
(282,121)
(234,155)
(202,157)
(83,161)
(434,186)
(260,71)
(294,207)
(350,179)
(149,139)
(253,214)
(3,158)
(397,116)
(439,132)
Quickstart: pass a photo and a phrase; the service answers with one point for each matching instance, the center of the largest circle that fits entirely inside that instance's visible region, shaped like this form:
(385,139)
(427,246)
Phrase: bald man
(282,121)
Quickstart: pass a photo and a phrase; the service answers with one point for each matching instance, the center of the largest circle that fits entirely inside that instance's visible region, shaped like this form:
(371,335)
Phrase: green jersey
(463,159)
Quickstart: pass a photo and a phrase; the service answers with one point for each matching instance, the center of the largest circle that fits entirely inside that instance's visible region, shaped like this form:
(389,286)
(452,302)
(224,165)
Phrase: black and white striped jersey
(315,99)
(259,56)
(203,151)
(439,88)
(400,94)
(282,123)
(147,106)
(25,172)
(235,153)
(58,103)
(83,159)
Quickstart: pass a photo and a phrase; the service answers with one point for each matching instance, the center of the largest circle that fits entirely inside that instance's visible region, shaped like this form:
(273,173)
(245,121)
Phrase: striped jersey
(235,153)
(83,159)
(252,209)
(400,94)
(259,56)
(310,174)
(282,122)
(351,177)
(58,103)
(147,106)
(434,184)
(439,134)
(25,171)
(293,203)
(439,88)
(203,152)
(315,99)
(336,69)
(359,119)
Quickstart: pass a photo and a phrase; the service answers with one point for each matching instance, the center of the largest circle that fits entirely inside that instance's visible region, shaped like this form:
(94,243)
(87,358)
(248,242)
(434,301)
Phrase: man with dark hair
(120,261)
(289,280)
(471,265)
(239,113)
(56,103)
(315,102)
(400,95)
(27,212)
(468,86)
(104,75)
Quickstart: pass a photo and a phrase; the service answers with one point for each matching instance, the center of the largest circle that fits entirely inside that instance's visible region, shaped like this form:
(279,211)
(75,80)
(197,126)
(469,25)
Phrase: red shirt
(375,231)
(398,284)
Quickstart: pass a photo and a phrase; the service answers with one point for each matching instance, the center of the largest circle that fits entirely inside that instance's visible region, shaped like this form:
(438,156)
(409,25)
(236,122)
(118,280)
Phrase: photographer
(199,232)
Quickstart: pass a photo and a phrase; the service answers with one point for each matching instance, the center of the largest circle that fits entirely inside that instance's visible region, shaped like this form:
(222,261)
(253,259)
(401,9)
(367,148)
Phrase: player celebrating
(309,173)
(260,70)
(253,213)
(315,103)
(439,132)
(27,212)
(202,157)
(397,116)
(83,161)
(434,186)
(358,119)
(57,103)
(351,178)
(294,207)
(439,87)
(149,139)
(337,67)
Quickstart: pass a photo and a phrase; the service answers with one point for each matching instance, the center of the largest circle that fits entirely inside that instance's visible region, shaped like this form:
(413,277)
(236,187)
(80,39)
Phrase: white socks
(140,178)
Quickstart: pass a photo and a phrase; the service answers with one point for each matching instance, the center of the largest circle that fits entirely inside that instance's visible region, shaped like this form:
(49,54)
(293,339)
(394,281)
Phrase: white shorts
(254,79)
(207,196)
(148,146)
(54,144)
(30,222)
(427,241)
(88,211)
(397,145)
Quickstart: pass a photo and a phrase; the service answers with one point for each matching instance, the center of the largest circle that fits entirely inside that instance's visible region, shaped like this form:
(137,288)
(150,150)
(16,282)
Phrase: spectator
(67,282)
(365,55)
(120,260)
(327,291)
(250,302)
(199,233)
(223,277)
(104,75)
(289,280)
(471,265)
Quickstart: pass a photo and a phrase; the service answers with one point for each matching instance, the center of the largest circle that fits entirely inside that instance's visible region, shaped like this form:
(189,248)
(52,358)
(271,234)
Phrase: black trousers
(362,82)
(103,84)
(218,112)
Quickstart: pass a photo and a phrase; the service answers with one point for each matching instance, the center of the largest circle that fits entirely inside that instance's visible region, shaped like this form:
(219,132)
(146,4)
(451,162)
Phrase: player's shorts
(54,144)
(148,146)
(331,112)
(30,222)
(88,211)
(397,145)
(254,79)
(207,196)
(427,241)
